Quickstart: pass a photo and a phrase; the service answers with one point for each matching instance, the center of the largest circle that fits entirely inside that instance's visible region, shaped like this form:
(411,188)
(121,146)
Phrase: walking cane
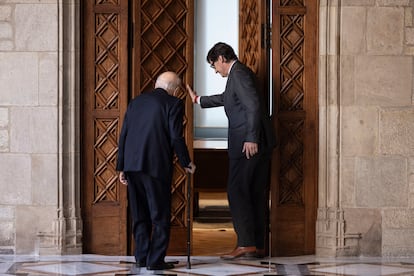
(188,220)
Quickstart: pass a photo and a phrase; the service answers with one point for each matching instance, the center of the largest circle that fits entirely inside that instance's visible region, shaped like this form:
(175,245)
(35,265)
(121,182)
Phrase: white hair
(168,81)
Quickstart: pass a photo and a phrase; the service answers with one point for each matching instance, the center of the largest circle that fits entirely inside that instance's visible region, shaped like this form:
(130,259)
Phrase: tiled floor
(204,265)
(210,241)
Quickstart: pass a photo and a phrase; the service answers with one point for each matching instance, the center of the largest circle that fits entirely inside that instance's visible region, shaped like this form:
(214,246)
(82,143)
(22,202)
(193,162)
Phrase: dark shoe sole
(254,255)
(162,266)
(141,264)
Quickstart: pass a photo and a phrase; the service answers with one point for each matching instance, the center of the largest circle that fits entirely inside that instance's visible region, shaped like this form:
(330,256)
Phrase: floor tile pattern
(205,266)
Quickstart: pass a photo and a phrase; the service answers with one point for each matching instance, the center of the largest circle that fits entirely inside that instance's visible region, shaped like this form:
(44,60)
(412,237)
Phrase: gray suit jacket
(247,116)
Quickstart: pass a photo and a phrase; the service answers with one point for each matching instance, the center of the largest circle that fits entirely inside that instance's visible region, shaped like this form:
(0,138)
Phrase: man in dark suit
(152,130)
(250,142)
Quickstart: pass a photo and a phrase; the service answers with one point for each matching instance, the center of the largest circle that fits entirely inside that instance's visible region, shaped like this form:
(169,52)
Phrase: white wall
(216,21)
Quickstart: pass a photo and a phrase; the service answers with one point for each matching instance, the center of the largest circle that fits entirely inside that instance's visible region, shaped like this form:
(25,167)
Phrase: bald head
(169,81)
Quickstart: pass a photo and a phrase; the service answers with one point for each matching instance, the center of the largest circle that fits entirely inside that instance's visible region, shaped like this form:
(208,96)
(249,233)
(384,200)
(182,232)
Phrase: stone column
(330,218)
(67,229)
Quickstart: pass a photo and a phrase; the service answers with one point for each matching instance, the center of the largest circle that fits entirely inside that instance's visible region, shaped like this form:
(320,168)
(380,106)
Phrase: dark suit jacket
(152,130)
(248,121)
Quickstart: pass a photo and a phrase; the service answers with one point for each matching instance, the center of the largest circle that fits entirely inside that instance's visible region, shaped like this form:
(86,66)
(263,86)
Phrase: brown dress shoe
(239,252)
(259,253)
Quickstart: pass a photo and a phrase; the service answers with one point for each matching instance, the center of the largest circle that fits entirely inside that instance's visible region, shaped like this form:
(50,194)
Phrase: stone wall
(28,123)
(377,126)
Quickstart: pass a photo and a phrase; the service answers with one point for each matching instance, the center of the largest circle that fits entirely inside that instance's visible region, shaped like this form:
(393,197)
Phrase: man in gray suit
(250,142)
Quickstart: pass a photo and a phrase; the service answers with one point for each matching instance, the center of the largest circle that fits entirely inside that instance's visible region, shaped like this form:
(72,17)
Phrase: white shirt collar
(231,66)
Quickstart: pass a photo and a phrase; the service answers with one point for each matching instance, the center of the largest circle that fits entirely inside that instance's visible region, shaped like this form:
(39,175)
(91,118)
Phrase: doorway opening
(124,72)
(213,232)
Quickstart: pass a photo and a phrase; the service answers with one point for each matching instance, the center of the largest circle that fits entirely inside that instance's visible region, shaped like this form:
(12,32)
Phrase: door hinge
(266,36)
(131,35)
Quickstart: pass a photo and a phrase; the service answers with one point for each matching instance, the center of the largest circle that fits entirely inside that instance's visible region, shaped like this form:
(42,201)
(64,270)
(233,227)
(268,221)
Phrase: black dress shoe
(260,253)
(160,266)
(141,264)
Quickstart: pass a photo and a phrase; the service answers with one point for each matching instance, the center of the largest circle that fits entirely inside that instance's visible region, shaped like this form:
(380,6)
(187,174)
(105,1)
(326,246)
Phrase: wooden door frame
(189,80)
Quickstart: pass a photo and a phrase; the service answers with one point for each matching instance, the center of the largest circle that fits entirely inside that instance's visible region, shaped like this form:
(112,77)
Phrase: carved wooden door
(126,45)
(163,41)
(104,98)
(295,163)
(254,47)
(254,43)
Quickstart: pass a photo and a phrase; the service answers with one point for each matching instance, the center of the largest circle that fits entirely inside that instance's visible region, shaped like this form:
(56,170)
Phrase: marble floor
(204,265)
(210,240)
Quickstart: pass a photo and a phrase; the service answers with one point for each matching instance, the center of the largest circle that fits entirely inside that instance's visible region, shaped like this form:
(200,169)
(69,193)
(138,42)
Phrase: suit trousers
(150,206)
(247,191)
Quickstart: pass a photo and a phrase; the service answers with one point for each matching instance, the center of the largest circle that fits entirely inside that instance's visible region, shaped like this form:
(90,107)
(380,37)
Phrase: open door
(295,162)
(126,45)
(254,48)
(163,40)
(292,94)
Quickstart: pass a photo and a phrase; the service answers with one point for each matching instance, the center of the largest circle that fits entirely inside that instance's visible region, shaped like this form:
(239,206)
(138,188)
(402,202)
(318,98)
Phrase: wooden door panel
(254,48)
(104,99)
(295,166)
(253,40)
(163,41)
